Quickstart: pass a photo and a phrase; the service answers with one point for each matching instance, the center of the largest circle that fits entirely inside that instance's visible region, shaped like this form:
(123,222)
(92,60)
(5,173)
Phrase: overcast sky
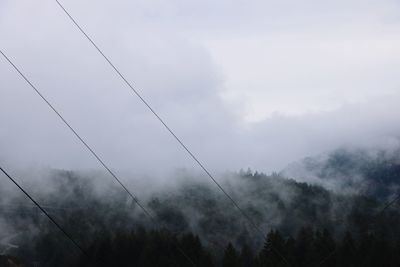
(244,83)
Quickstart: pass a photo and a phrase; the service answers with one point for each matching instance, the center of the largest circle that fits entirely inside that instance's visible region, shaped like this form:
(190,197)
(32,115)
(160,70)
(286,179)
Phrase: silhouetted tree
(273,252)
(347,251)
(246,256)
(231,257)
(324,245)
(304,252)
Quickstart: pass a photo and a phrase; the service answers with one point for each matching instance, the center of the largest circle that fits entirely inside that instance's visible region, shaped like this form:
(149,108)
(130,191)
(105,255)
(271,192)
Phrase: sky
(256,84)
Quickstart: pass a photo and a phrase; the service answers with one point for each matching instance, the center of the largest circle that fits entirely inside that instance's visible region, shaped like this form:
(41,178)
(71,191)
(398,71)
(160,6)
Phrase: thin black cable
(374,217)
(166,126)
(45,213)
(76,134)
(388,205)
(151,217)
(158,117)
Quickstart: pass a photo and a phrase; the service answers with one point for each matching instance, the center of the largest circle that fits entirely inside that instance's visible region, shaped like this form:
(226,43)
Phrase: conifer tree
(231,257)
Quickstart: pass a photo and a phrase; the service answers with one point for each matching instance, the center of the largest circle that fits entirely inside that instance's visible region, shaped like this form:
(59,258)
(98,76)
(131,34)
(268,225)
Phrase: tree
(246,256)
(273,252)
(231,258)
(347,251)
(324,245)
(304,253)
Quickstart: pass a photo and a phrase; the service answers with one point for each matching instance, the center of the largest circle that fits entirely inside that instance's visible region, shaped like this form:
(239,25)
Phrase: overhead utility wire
(388,205)
(45,213)
(90,150)
(165,125)
(76,134)
(157,116)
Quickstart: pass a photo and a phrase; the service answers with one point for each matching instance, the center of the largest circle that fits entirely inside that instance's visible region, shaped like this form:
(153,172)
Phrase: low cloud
(176,65)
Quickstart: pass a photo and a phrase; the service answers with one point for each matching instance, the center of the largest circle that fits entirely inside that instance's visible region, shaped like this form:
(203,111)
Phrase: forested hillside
(365,171)
(305,223)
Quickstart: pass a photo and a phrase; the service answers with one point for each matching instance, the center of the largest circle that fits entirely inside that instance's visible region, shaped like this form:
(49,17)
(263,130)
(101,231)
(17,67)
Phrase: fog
(91,201)
(257,85)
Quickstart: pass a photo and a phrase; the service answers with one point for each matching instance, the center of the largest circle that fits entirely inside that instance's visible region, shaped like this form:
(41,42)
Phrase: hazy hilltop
(365,171)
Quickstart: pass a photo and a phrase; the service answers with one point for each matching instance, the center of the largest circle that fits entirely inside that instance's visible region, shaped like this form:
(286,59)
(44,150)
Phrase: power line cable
(77,135)
(159,118)
(45,213)
(166,126)
(135,199)
(388,205)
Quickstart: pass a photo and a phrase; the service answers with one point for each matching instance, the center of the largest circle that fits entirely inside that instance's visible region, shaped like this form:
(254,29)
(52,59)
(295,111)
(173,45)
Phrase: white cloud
(243,83)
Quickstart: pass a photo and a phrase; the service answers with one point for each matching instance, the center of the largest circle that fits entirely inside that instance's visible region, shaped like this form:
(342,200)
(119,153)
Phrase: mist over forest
(232,133)
(346,189)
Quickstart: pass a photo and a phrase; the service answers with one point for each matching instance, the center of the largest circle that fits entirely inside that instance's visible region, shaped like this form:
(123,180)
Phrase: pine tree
(231,257)
(347,251)
(324,245)
(246,256)
(304,254)
(273,252)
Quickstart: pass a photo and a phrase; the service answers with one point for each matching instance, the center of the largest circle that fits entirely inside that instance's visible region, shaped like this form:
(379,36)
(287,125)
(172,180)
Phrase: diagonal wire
(76,134)
(388,205)
(159,118)
(393,201)
(135,199)
(45,213)
(166,126)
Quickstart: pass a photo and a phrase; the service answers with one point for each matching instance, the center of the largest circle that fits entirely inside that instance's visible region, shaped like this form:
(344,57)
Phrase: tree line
(110,228)
(308,248)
